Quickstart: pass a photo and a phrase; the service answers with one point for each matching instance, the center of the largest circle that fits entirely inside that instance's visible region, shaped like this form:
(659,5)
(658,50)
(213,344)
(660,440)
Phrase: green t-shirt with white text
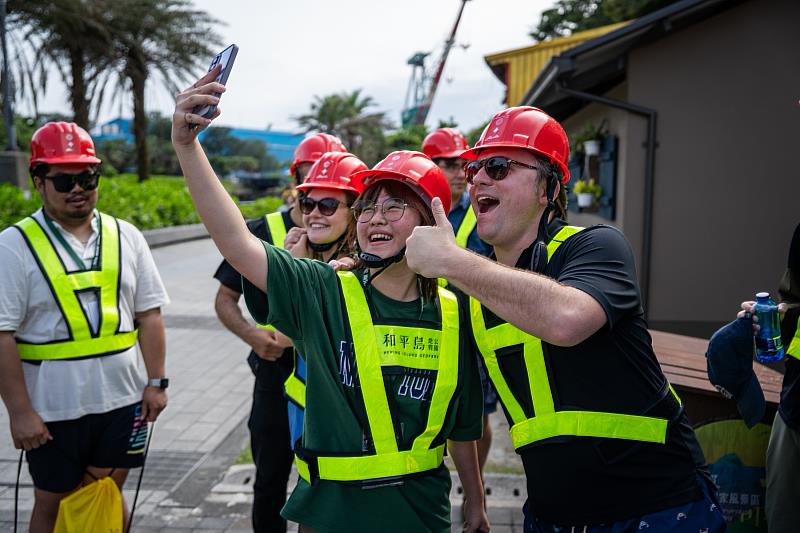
(306,304)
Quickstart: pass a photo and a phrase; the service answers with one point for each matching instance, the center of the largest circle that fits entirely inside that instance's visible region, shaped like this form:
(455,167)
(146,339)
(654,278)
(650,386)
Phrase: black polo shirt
(577,481)
(269,374)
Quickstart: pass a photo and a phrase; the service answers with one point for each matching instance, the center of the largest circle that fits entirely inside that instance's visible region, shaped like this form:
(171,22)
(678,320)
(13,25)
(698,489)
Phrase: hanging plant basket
(591,148)
(585,199)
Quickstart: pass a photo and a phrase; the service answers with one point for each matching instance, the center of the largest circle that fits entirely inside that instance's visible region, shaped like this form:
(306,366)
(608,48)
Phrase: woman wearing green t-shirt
(391,374)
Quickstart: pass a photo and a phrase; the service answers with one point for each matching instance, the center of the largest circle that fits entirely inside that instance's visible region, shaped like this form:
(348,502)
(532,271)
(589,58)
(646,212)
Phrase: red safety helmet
(334,170)
(444,142)
(416,170)
(311,148)
(62,143)
(529,128)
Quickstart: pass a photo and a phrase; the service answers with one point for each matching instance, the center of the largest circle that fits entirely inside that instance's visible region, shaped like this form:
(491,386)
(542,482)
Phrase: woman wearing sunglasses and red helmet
(325,198)
(391,376)
(328,233)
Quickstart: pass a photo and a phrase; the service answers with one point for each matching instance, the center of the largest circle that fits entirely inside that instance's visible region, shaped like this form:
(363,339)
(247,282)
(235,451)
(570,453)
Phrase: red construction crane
(422,86)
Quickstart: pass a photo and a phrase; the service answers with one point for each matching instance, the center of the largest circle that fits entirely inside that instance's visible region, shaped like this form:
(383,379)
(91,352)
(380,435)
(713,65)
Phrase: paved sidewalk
(189,484)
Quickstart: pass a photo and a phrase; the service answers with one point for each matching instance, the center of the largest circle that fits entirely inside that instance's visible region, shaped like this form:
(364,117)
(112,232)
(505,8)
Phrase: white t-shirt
(66,390)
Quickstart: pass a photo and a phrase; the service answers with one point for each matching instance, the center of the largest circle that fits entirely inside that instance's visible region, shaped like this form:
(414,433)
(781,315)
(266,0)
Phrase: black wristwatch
(159,383)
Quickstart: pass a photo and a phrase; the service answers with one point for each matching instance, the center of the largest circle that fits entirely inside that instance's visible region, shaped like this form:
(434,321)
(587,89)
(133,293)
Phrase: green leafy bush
(14,206)
(159,202)
(260,207)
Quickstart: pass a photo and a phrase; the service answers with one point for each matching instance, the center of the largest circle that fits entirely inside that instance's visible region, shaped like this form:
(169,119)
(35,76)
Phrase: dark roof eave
(562,67)
(544,81)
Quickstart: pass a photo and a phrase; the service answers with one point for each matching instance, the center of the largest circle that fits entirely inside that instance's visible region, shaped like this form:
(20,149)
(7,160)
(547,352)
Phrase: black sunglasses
(66,182)
(496,167)
(327,206)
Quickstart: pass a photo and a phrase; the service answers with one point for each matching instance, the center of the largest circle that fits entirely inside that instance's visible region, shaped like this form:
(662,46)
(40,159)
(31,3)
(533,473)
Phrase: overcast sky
(290,51)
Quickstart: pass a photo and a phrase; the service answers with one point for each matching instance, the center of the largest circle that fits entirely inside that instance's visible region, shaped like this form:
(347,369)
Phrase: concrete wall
(727,186)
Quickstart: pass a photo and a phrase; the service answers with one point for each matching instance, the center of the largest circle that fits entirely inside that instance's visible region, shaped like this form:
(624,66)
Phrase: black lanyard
(95,258)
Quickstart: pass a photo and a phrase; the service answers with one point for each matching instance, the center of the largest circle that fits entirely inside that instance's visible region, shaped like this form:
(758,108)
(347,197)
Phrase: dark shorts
(115,439)
(702,515)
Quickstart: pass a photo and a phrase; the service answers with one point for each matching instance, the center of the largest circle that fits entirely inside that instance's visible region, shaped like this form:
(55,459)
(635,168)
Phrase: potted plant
(592,135)
(587,192)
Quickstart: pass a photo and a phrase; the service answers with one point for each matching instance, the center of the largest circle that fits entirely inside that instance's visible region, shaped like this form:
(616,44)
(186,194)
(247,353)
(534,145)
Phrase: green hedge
(159,202)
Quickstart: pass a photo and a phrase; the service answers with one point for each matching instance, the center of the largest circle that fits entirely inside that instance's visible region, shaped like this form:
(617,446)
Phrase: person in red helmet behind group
(391,376)
(603,438)
(445,146)
(271,356)
(80,300)
(310,150)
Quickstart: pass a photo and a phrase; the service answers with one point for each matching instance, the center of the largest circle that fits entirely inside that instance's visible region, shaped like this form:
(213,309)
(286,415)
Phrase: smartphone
(226,58)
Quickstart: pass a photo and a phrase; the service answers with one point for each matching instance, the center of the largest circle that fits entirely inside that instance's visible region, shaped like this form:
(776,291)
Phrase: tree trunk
(137,73)
(77,90)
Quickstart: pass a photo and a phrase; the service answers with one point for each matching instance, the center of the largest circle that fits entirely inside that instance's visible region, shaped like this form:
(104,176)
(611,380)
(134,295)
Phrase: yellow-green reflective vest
(794,345)
(277,229)
(66,285)
(294,387)
(467,225)
(388,461)
(547,421)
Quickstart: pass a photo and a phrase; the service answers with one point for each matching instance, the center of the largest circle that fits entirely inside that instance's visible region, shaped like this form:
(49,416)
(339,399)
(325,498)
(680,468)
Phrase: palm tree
(67,34)
(169,38)
(345,115)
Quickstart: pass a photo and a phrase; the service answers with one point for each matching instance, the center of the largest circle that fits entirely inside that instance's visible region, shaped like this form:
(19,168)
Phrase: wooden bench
(683,361)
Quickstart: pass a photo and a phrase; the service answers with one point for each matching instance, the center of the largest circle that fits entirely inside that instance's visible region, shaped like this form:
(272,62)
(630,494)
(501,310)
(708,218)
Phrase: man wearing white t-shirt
(80,300)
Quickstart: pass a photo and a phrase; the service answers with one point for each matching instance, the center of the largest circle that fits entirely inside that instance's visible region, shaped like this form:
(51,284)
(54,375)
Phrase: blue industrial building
(280,144)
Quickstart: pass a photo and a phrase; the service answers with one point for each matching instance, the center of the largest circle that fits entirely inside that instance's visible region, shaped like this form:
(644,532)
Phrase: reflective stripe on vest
(794,345)
(294,387)
(468,224)
(547,422)
(65,287)
(388,461)
(277,228)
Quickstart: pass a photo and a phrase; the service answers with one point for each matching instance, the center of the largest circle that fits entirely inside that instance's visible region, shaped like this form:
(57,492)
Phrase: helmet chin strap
(551,205)
(538,261)
(324,247)
(373,261)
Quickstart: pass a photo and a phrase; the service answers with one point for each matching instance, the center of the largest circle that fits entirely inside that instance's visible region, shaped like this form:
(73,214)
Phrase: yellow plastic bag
(96,508)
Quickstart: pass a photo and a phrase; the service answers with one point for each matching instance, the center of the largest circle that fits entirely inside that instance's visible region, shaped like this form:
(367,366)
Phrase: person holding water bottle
(783,452)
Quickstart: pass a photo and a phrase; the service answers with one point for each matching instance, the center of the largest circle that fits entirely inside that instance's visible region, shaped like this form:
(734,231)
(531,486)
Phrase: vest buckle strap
(368,470)
(306,467)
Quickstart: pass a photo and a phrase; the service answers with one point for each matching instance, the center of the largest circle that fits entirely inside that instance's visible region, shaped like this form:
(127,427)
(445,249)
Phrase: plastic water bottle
(769,346)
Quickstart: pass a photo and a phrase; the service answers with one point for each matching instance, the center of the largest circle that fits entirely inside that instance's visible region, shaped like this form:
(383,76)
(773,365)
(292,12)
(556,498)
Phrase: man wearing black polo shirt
(783,452)
(603,438)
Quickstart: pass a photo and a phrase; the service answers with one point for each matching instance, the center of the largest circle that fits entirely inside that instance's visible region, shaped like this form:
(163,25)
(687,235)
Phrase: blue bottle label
(769,345)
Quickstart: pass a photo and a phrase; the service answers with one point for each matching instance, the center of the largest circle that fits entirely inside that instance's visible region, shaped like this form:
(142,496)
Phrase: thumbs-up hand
(429,248)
